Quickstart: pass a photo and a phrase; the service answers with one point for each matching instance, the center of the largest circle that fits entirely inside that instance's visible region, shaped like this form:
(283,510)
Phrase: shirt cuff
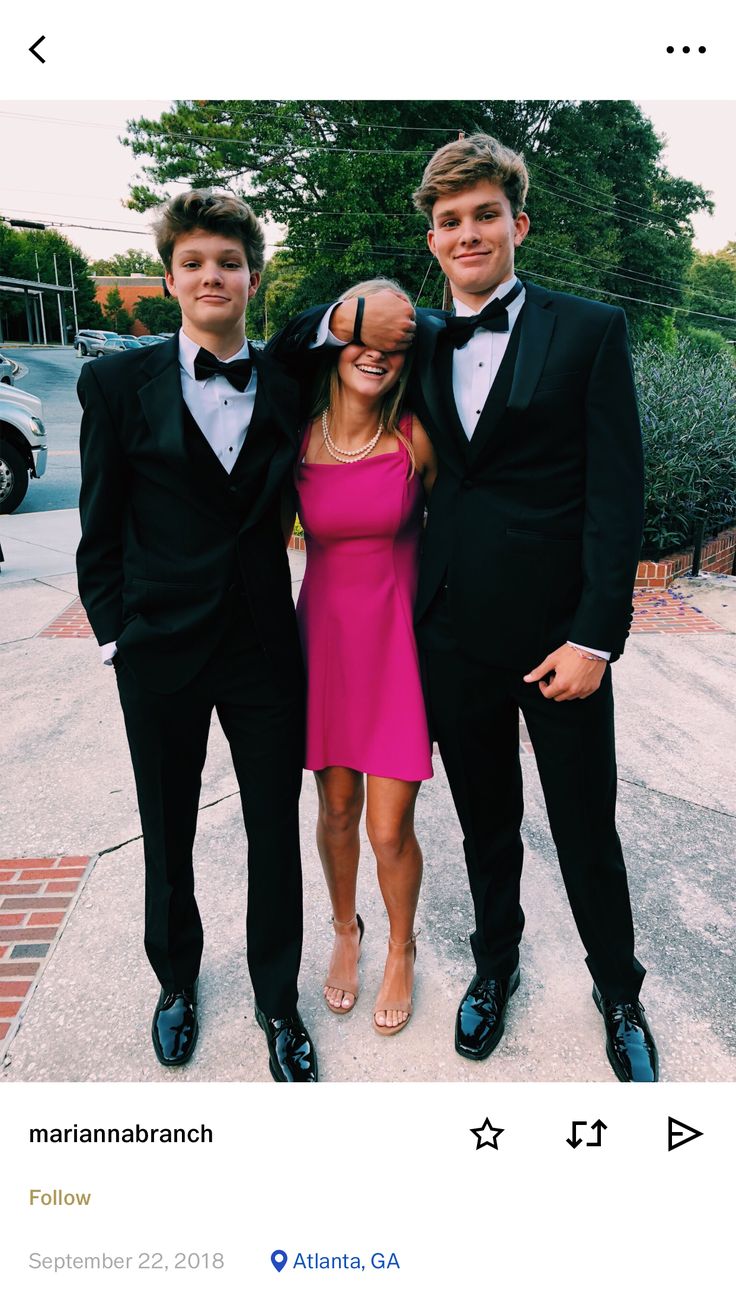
(108,652)
(602,653)
(324,335)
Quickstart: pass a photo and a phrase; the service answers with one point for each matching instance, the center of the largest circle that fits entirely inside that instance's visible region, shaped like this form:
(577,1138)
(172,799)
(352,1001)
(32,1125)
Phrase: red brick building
(131,289)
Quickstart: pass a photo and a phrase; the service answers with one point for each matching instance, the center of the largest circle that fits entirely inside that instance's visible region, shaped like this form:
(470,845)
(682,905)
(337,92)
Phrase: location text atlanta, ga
(121,1134)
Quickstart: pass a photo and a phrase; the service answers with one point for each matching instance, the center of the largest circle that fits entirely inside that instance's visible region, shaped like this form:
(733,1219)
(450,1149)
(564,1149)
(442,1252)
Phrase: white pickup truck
(23,448)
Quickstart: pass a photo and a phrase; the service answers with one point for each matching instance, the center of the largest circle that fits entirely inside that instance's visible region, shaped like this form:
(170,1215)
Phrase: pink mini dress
(363,524)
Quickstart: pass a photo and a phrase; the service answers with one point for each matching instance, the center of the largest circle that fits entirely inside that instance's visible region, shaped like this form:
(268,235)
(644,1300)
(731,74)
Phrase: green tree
(712,290)
(116,314)
(608,220)
(128,264)
(158,314)
(279,296)
(599,186)
(19,250)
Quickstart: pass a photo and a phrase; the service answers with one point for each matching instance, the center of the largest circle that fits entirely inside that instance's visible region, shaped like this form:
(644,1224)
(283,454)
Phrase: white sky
(62,161)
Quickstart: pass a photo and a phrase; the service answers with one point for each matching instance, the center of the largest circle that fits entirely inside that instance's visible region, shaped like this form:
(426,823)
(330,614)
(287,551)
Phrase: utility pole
(74,296)
(40,300)
(62,327)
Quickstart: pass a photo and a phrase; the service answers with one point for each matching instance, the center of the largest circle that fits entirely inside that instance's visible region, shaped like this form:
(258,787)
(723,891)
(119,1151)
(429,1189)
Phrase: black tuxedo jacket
(535,524)
(170,541)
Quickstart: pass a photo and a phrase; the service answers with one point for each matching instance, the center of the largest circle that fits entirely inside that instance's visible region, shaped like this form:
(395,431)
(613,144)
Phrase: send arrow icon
(679,1133)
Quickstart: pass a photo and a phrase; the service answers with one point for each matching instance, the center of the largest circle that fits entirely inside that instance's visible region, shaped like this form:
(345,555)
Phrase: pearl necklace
(348,456)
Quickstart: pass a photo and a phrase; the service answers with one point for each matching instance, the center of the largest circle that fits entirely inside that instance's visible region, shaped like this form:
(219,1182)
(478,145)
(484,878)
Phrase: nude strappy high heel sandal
(403,1005)
(348,985)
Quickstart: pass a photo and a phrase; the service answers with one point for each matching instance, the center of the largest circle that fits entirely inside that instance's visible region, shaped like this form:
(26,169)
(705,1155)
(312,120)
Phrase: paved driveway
(52,376)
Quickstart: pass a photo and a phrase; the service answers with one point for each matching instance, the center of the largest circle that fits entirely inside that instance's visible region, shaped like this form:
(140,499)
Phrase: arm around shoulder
(425,455)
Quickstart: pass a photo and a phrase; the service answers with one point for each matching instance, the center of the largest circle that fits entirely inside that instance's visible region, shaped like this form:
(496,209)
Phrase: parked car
(7,370)
(23,448)
(97,343)
(131,342)
(151,340)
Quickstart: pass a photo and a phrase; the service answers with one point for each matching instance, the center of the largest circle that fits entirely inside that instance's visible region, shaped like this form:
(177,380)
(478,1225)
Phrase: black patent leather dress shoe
(291,1054)
(481,1015)
(630,1045)
(175,1027)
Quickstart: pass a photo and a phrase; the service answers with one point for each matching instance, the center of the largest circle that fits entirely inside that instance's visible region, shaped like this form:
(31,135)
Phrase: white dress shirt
(221,411)
(475,365)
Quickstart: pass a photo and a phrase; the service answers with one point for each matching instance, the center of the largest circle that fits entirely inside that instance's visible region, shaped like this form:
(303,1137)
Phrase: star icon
(486,1134)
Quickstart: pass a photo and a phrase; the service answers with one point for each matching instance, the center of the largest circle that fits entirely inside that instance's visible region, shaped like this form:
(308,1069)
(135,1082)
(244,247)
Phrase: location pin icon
(279,1259)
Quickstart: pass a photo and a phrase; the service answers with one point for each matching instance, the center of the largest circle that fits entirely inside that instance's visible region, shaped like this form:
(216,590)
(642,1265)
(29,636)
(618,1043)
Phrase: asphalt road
(52,376)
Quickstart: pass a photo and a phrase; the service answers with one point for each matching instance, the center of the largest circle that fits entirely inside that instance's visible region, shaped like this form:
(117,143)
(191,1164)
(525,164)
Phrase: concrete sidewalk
(38,547)
(68,790)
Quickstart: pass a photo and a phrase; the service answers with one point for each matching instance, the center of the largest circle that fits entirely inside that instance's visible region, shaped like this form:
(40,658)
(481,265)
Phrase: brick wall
(131,289)
(717,556)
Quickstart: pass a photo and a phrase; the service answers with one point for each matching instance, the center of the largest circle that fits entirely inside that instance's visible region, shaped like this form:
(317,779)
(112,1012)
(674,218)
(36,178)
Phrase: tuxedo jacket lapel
(272,419)
(490,425)
(271,444)
(434,384)
(536,327)
(443,360)
(161,398)
(188,461)
(519,373)
(538,322)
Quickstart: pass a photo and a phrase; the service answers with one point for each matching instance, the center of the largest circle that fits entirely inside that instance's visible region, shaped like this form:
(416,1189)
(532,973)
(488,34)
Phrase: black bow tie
(238,372)
(494,318)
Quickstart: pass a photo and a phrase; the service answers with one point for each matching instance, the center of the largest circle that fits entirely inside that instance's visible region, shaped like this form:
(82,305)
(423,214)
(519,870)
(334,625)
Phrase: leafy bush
(157,313)
(709,342)
(688,416)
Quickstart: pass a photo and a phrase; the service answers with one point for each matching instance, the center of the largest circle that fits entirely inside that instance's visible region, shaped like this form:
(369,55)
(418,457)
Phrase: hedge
(687,401)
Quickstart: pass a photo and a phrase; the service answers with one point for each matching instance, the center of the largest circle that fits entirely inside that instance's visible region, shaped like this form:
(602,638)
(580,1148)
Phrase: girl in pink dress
(365,468)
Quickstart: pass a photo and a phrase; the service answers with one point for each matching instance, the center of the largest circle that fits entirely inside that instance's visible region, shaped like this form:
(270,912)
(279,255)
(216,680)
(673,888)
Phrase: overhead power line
(304,147)
(628,274)
(402,253)
(614,295)
(594,190)
(256,113)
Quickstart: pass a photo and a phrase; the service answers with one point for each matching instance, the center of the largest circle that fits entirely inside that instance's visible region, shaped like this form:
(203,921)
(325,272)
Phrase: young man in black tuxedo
(184,575)
(526,580)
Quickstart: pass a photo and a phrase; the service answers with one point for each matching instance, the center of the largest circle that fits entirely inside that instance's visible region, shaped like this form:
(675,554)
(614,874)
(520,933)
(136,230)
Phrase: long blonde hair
(327,385)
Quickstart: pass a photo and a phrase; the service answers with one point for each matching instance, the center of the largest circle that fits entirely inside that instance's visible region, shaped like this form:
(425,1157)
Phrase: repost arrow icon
(575,1141)
(599,1127)
(32,50)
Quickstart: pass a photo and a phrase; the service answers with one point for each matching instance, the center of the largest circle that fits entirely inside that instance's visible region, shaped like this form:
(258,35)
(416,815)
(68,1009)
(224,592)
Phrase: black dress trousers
(262,715)
(474,716)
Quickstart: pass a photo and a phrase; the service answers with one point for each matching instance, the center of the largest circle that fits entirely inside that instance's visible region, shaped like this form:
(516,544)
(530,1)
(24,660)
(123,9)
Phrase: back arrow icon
(687,1133)
(32,50)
